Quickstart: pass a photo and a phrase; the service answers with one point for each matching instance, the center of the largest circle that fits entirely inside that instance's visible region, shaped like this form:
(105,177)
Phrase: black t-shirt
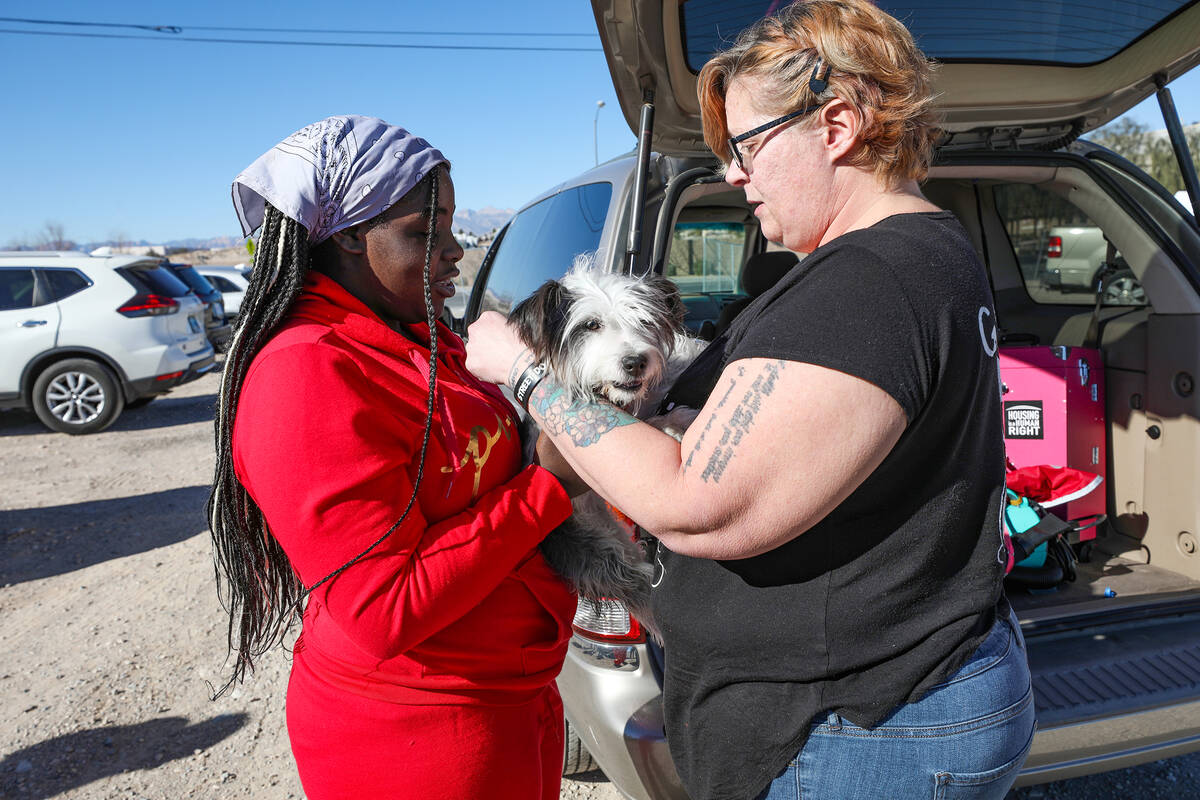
(893,590)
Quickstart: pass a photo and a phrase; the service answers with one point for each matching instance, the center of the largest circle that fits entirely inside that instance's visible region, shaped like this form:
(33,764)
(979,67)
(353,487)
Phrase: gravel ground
(113,639)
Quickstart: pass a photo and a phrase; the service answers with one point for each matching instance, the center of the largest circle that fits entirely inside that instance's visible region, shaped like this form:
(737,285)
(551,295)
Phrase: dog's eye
(593,325)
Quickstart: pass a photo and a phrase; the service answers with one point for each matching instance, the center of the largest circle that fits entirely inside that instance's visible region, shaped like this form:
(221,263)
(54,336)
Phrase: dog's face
(603,335)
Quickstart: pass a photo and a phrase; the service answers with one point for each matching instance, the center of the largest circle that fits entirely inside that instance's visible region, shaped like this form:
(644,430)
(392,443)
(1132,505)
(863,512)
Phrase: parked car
(216,327)
(231,282)
(83,336)
(1072,258)
(1115,655)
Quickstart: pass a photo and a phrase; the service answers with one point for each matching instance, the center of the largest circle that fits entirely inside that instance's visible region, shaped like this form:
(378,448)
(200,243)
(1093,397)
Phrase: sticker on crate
(1023,419)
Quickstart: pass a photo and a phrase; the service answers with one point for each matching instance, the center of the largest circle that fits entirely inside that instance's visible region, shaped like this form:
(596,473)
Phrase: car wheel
(576,758)
(77,396)
(1123,289)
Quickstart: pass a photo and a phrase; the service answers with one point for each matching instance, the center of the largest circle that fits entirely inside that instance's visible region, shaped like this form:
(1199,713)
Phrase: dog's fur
(618,339)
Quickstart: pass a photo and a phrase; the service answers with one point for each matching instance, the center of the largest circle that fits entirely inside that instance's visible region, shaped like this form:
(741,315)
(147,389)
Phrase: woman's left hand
(493,348)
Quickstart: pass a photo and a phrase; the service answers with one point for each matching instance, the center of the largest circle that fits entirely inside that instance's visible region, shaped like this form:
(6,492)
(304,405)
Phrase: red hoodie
(457,605)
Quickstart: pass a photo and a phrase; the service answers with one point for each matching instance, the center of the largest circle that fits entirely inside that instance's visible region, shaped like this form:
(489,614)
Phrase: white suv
(81,336)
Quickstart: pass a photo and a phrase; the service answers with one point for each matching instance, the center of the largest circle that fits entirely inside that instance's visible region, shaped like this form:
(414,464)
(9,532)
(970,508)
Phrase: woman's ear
(842,126)
(350,240)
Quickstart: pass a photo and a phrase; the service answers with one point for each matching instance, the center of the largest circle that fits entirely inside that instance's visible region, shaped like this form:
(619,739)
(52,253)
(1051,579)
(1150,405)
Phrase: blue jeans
(966,738)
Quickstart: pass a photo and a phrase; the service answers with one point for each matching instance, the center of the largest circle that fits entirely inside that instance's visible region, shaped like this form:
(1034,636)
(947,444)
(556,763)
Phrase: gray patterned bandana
(333,174)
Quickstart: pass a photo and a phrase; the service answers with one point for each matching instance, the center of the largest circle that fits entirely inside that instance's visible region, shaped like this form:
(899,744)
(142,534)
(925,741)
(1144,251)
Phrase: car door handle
(31,323)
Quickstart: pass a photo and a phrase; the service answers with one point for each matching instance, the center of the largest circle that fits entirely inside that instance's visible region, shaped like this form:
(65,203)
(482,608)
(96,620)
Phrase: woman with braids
(365,476)
(829,575)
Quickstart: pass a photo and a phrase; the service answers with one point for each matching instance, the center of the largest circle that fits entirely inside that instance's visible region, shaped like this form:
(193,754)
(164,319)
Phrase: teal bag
(1020,517)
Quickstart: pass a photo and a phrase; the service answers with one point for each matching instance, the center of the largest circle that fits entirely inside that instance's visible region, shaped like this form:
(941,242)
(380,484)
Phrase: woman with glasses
(830,561)
(368,483)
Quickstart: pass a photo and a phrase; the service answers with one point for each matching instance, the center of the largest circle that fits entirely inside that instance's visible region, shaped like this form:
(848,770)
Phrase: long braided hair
(255,580)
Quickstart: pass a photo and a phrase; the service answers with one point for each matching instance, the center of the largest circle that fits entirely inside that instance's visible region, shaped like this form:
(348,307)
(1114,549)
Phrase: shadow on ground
(164,412)
(66,762)
(40,542)
(168,411)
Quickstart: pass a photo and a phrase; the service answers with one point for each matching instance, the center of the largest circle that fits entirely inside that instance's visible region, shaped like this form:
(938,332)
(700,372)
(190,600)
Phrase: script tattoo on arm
(739,422)
(584,421)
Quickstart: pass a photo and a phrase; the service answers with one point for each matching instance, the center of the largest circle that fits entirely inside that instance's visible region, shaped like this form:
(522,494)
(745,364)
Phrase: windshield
(156,280)
(1067,32)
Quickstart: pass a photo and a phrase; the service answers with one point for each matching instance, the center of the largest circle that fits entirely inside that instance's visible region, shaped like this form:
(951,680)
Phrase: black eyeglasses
(743,159)
(818,82)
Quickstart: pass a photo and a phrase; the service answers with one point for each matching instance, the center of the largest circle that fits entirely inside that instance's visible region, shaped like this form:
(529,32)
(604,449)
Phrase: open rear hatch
(1015,72)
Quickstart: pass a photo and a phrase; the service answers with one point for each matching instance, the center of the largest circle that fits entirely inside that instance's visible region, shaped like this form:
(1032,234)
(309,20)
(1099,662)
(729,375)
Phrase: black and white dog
(614,338)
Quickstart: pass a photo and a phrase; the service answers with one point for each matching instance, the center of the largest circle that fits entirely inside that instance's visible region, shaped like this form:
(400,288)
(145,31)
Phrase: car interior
(720,261)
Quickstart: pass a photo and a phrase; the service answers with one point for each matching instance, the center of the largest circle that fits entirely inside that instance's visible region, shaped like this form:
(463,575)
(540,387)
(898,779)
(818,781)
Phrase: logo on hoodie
(480,442)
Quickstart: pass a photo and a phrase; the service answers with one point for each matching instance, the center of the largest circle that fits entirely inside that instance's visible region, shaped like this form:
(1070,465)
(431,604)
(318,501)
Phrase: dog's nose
(634,364)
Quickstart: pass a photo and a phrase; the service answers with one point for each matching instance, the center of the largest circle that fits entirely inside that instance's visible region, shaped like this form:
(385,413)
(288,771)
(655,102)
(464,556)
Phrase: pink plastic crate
(1054,414)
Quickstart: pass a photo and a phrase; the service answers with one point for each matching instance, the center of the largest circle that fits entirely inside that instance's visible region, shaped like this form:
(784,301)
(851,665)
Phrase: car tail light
(148,304)
(607,621)
(1054,247)
(169,376)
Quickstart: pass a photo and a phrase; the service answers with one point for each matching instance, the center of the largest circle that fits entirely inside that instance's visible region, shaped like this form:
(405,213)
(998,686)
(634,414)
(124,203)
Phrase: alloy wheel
(75,398)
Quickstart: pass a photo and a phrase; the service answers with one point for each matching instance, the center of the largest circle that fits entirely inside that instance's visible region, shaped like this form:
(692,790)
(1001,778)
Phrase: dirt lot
(112,637)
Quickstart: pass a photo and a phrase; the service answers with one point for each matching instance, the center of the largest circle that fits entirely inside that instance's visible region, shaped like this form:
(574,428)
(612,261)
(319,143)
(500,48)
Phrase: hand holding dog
(494,348)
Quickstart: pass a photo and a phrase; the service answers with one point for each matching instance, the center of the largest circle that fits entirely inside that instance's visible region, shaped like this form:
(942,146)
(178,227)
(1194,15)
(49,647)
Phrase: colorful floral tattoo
(584,421)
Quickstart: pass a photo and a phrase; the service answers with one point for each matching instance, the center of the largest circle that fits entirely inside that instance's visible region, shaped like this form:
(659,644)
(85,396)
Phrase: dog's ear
(668,292)
(541,316)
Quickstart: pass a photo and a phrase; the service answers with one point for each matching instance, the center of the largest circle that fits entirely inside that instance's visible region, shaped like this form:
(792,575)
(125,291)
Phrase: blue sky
(142,138)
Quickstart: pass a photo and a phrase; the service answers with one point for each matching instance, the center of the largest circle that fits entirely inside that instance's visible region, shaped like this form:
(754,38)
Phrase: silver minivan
(1115,653)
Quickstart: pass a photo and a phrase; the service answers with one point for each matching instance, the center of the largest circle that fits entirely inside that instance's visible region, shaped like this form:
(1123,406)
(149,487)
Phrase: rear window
(156,280)
(194,280)
(1062,251)
(1069,33)
(64,282)
(542,241)
(223,284)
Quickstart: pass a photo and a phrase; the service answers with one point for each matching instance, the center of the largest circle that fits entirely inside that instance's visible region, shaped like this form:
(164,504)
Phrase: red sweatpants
(351,747)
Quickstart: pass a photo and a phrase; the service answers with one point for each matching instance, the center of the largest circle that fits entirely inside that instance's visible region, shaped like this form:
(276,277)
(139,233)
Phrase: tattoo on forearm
(740,420)
(584,421)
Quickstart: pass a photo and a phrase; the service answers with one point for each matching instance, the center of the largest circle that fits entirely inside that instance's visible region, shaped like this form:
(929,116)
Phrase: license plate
(193,324)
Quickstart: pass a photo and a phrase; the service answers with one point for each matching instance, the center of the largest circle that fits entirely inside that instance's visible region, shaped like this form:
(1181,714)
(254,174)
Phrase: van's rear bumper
(1100,745)
(1115,694)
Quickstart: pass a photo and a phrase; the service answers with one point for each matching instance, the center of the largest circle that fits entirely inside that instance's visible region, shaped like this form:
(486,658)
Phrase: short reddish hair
(875,66)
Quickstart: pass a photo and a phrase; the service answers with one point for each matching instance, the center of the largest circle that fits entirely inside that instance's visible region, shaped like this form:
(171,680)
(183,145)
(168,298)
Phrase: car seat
(761,272)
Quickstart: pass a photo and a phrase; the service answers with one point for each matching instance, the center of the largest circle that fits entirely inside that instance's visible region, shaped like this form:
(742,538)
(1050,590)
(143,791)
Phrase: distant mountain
(478,222)
(482,221)
(212,243)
